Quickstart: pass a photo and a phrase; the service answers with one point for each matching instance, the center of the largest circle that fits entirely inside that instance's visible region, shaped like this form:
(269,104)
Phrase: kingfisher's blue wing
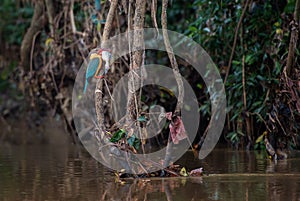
(92,67)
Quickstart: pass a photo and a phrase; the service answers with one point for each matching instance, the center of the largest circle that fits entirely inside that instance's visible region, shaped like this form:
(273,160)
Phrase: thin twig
(51,13)
(248,127)
(235,39)
(71,14)
(32,50)
(261,118)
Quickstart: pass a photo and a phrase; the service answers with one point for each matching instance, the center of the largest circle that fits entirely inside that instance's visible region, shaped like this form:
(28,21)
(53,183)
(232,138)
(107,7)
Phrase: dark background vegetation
(43,44)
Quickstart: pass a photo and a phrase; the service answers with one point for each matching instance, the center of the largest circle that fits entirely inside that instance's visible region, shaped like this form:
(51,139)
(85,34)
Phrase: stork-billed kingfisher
(94,68)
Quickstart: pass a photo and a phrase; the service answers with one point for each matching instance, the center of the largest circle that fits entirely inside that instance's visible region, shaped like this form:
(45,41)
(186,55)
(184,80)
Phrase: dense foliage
(258,57)
(15,18)
(261,51)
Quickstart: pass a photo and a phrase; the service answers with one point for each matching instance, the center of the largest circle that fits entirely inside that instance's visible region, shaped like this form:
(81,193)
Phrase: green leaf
(250,59)
(118,135)
(134,142)
(199,86)
(235,62)
(137,144)
(183,172)
(262,146)
(260,138)
(277,68)
(98,26)
(260,77)
(193,29)
(131,140)
(142,119)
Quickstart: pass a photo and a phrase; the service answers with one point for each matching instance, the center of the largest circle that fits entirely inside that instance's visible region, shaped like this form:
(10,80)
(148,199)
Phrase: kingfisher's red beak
(100,51)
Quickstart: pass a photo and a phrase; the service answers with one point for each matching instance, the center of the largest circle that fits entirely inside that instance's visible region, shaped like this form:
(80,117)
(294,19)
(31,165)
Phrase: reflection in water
(64,173)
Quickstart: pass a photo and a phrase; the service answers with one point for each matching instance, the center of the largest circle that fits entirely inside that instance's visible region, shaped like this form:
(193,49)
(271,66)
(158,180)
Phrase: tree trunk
(133,101)
(295,28)
(37,23)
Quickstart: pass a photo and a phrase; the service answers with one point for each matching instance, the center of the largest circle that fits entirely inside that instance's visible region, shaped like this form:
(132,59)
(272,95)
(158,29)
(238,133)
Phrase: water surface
(49,172)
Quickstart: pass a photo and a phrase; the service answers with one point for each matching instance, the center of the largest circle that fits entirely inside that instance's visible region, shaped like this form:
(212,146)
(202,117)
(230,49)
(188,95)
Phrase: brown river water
(59,172)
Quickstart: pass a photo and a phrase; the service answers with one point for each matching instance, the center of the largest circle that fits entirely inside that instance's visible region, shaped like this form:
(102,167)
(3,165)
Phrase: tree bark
(138,41)
(37,24)
(137,60)
(109,20)
(172,56)
(176,74)
(295,28)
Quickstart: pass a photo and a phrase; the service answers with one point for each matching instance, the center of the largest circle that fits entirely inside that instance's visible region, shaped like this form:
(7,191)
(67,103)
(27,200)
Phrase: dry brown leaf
(177,130)
(197,172)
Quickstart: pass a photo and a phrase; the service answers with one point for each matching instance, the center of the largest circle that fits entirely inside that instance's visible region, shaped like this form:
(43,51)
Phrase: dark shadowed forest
(254,44)
(149,100)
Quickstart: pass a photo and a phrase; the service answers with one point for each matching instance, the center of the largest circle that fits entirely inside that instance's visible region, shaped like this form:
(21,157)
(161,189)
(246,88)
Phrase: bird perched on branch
(94,68)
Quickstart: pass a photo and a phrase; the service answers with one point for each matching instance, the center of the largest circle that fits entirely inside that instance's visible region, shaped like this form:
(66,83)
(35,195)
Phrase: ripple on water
(60,173)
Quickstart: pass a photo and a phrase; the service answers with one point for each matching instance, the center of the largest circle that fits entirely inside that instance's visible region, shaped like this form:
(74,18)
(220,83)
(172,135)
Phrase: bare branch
(99,86)
(153,14)
(172,56)
(109,20)
(294,39)
(235,39)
